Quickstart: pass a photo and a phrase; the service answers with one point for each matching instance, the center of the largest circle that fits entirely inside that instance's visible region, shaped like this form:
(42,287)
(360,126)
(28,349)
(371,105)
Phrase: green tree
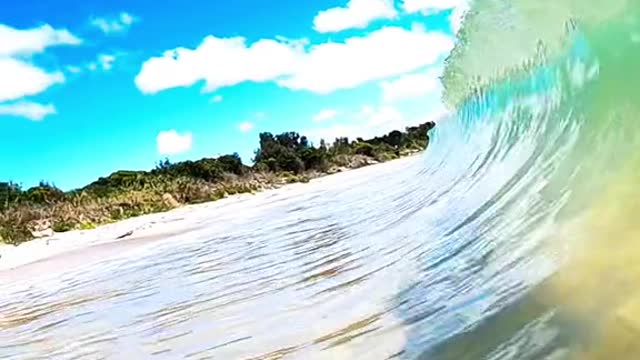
(9,193)
(163,164)
(395,138)
(232,164)
(280,152)
(44,193)
(365,149)
(341,146)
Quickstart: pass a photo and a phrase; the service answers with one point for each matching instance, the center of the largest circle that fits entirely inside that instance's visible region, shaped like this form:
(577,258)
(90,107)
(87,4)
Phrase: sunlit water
(515,236)
(351,266)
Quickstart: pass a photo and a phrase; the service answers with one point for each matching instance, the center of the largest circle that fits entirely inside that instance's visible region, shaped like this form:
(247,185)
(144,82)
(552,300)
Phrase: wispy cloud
(106,61)
(410,86)
(324,115)
(429,6)
(460,7)
(73,69)
(16,42)
(171,142)
(114,24)
(368,122)
(245,126)
(103,62)
(216,99)
(357,14)
(30,110)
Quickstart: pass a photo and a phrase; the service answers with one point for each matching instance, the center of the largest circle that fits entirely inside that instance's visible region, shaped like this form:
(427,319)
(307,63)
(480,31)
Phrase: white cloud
(459,7)
(382,119)
(127,19)
(387,52)
(220,62)
(171,142)
(368,122)
(106,61)
(410,86)
(438,114)
(457,16)
(321,68)
(20,79)
(245,126)
(30,110)
(74,69)
(216,98)
(372,121)
(15,42)
(357,14)
(429,6)
(324,115)
(110,25)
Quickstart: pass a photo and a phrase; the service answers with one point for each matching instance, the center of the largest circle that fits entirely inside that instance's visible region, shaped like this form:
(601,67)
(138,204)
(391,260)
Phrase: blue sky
(90,87)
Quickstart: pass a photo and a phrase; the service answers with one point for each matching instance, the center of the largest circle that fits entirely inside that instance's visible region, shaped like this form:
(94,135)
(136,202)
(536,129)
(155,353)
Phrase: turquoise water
(515,236)
(556,83)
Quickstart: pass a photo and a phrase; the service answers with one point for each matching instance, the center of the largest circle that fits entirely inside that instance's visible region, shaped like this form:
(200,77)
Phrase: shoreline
(138,229)
(43,210)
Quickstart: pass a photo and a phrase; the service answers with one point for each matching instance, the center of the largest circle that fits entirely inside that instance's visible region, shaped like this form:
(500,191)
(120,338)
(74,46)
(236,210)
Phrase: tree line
(122,194)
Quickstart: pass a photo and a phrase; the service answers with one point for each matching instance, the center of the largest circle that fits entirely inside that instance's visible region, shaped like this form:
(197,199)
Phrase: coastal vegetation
(280,159)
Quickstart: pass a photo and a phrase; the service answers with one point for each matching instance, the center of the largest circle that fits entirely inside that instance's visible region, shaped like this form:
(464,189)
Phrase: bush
(63,225)
(280,158)
(313,158)
(365,149)
(289,161)
(232,164)
(44,194)
(385,156)
(14,234)
(87,225)
(10,193)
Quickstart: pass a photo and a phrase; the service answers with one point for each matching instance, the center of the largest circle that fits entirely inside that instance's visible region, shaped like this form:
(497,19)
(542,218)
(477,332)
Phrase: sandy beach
(74,246)
(134,230)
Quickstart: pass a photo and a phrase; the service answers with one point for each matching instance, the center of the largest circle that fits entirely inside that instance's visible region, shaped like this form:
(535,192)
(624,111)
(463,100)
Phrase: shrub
(365,149)
(63,225)
(122,194)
